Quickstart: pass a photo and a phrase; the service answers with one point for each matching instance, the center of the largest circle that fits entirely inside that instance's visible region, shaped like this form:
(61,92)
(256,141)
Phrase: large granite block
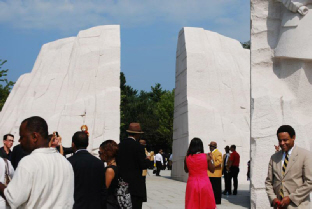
(212,96)
(74,81)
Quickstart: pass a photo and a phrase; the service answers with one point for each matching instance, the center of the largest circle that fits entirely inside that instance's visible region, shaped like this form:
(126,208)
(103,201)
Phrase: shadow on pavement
(242,198)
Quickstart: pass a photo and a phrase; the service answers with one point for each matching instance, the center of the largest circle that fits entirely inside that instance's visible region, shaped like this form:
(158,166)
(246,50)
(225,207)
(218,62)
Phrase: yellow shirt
(217,160)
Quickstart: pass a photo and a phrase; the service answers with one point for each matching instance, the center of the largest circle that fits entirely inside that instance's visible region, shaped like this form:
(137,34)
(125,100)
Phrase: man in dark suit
(131,161)
(90,189)
(17,154)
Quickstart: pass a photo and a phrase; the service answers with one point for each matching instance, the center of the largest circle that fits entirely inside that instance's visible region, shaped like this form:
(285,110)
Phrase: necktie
(283,172)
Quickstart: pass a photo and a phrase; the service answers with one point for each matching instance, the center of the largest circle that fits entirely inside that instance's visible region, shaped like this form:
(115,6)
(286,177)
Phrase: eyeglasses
(10,140)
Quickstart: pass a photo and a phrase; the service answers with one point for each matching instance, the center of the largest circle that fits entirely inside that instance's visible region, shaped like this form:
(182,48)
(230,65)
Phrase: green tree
(152,109)
(5,85)
(164,113)
(127,105)
(246,45)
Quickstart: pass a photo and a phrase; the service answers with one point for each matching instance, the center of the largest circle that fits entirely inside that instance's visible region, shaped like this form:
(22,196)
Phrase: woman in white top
(5,166)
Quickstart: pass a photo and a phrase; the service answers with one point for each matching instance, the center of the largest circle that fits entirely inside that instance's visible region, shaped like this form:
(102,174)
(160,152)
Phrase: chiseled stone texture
(74,81)
(281,92)
(212,96)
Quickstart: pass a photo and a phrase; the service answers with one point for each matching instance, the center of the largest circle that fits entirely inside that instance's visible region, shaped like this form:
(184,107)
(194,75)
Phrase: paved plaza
(164,192)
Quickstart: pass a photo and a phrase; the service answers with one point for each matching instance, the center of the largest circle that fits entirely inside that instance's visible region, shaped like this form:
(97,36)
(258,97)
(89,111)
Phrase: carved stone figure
(295,31)
(281,82)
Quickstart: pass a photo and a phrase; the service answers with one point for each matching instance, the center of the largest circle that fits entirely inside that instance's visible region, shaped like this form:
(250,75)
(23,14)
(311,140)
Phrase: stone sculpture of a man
(295,32)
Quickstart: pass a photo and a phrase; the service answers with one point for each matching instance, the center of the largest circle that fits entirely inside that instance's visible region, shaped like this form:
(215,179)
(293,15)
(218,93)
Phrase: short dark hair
(80,139)
(5,137)
(233,146)
(37,124)
(286,128)
(196,145)
(110,148)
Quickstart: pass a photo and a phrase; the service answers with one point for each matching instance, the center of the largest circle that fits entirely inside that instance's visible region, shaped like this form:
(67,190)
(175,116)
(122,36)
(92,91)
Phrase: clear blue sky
(149,30)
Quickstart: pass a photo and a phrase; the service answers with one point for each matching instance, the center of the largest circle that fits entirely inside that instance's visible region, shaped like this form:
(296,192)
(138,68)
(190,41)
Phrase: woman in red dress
(199,193)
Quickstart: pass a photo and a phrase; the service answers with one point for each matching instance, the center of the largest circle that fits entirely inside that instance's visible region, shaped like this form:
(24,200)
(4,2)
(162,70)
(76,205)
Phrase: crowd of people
(204,192)
(37,174)
(288,183)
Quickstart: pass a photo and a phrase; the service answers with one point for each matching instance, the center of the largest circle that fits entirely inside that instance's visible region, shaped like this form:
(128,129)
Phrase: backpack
(123,195)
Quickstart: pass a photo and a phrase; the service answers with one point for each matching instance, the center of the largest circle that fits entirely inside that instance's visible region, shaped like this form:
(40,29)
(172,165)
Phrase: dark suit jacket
(131,160)
(90,190)
(3,154)
(17,154)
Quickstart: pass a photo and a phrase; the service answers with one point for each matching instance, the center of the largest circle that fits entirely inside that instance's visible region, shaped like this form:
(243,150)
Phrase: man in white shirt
(43,179)
(158,160)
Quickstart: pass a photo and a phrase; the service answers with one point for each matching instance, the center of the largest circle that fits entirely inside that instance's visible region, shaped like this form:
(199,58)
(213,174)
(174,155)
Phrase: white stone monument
(74,82)
(281,77)
(212,96)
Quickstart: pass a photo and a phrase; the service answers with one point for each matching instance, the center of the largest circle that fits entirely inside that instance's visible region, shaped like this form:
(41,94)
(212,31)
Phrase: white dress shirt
(284,155)
(44,179)
(158,157)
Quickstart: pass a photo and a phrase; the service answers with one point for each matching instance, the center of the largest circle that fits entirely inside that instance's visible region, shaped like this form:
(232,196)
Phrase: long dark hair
(196,146)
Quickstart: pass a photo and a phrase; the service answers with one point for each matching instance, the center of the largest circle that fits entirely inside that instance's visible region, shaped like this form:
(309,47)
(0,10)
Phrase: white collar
(290,151)
(132,138)
(46,150)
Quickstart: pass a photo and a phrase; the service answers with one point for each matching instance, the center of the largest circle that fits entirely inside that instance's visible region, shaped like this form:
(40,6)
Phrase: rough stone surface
(281,86)
(212,96)
(74,81)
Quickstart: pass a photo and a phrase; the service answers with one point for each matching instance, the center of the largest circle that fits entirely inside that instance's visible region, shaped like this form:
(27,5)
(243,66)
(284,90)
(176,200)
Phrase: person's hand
(285,202)
(276,203)
(276,148)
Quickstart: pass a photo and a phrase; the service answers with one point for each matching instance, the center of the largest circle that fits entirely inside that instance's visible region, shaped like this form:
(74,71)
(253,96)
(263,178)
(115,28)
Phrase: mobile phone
(56,133)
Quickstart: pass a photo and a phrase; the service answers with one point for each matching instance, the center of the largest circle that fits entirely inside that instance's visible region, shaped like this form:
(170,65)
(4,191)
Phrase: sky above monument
(149,30)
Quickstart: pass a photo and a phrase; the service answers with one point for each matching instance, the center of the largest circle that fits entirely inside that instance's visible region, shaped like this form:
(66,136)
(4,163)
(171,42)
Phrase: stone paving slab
(164,192)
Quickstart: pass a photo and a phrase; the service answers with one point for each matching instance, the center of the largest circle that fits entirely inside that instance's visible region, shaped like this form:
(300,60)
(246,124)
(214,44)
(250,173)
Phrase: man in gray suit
(289,180)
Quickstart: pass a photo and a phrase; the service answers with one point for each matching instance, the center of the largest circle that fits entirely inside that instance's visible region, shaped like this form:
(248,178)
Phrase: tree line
(152,109)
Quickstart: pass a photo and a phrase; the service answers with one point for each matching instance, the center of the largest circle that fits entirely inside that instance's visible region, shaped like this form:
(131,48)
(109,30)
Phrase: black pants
(217,188)
(227,182)
(137,202)
(158,166)
(233,175)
